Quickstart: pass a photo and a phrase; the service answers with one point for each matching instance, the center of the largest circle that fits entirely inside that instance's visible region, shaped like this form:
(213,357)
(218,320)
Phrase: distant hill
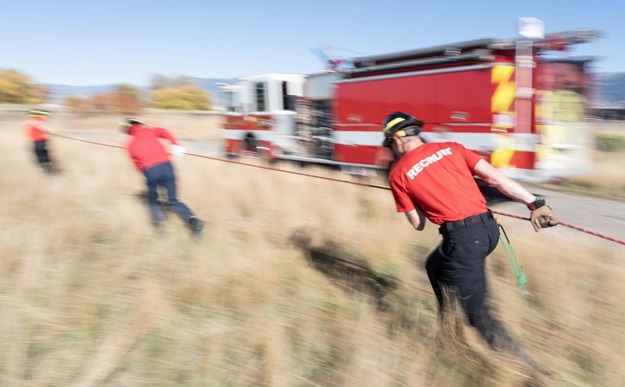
(58,93)
(610,88)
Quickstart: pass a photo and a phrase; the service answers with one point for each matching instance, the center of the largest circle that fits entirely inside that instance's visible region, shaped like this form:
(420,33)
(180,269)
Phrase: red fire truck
(518,102)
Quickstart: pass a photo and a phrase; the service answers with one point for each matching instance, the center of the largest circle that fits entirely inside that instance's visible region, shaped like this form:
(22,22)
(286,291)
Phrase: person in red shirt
(435,181)
(35,130)
(151,158)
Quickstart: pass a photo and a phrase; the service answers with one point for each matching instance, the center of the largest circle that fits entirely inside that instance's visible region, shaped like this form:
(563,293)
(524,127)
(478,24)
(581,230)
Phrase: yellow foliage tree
(185,97)
(16,87)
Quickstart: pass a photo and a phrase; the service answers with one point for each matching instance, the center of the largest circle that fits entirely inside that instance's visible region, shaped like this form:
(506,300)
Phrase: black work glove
(541,216)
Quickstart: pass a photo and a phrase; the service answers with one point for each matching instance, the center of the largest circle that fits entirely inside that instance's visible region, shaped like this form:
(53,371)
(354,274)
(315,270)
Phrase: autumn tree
(76,104)
(179,93)
(125,99)
(115,102)
(16,87)
(186,97)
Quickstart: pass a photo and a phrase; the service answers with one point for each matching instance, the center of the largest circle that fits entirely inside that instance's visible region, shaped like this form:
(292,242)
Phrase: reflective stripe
(503,96)
(393,123)
(504,118)
(400,133)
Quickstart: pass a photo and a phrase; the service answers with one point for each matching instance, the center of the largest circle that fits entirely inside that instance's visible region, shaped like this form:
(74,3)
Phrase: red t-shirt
(438,178)
(145,148)
(34,128)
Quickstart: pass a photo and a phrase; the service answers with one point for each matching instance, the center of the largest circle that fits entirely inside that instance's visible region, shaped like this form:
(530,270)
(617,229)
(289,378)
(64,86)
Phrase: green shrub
(610,142)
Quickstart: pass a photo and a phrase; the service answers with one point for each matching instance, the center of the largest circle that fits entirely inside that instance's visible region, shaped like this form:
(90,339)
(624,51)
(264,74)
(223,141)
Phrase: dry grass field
(91,295)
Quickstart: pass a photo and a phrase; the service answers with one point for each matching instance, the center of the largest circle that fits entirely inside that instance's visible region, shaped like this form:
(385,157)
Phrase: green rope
(521,278)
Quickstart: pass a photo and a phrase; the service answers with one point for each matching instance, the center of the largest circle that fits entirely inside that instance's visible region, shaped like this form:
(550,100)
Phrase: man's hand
(178,151)
(543,217)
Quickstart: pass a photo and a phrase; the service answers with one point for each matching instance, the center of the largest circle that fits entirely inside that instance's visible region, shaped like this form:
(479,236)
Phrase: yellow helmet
(130,121)
(37,113)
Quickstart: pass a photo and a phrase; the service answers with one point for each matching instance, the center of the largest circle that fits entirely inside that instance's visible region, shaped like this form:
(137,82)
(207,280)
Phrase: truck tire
(250,145)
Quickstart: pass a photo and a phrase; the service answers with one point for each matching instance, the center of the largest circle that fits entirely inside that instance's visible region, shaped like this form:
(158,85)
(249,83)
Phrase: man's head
(129,123)
(399,125)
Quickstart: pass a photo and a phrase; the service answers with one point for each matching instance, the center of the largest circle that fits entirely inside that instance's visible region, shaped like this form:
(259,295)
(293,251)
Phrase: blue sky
(102,42)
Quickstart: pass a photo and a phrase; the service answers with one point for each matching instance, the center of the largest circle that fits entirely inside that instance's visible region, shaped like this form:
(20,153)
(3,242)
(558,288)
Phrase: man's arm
(177,150)
(166,134)
(541,215)
(506,185)
(416,219)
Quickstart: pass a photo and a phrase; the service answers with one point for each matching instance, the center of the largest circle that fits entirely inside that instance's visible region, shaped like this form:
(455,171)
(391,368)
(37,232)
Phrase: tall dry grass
(90,295)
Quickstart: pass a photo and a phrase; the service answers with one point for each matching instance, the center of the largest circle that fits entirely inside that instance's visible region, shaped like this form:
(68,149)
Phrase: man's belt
(466,222)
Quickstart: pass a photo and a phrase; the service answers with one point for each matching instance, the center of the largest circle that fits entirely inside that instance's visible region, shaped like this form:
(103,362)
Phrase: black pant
(459,264)
(162,175)
(41,151)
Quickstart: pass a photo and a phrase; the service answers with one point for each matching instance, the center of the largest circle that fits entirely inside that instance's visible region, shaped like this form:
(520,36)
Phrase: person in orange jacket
(35,130)
(151,158)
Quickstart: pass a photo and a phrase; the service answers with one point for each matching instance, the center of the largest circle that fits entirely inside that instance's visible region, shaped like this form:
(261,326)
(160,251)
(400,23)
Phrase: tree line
(164,93)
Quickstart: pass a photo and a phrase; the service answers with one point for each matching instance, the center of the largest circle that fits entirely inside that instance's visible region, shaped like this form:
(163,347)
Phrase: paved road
(212,148)
(602,216)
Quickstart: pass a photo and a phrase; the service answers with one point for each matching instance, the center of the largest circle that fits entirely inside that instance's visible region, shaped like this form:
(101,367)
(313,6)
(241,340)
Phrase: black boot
(48,168)
(195,225)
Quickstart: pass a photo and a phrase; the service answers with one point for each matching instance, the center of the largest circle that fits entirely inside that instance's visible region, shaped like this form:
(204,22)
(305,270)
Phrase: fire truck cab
(518,102)
(261,116)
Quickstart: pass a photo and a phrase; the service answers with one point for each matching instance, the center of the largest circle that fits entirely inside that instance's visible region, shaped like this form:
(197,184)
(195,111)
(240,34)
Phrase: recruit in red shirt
(35,129)
(438,178)
(145,148)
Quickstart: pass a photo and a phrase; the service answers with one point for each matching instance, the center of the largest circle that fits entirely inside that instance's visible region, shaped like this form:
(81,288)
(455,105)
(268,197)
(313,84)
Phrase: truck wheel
(250,146)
